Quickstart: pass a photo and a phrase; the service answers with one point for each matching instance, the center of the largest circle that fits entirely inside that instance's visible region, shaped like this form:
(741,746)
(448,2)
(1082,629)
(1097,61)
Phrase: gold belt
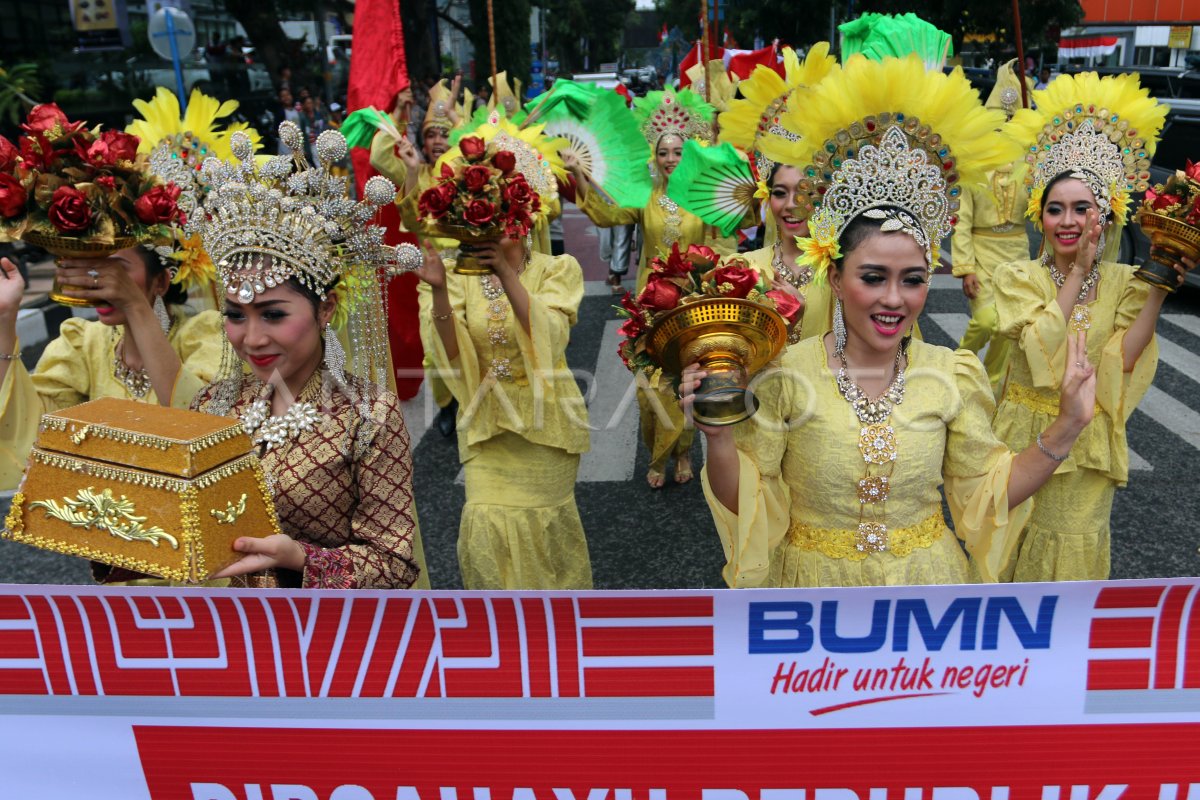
(1007,230)
(1034,400)
(857,544)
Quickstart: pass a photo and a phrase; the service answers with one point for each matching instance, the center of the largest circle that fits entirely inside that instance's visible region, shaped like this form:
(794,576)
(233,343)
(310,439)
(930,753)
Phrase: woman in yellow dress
(667,119)
(296,261)
(835,481)
(500,342)
(1079,198)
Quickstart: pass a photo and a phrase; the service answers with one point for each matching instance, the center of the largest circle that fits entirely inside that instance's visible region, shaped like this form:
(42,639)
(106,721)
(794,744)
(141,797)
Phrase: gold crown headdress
(757,115)
(299,215)
(178,146)
(441,107)
(503,95)
(1006,94)
(714,82)
(1102,131)
(852,123)
(683,114)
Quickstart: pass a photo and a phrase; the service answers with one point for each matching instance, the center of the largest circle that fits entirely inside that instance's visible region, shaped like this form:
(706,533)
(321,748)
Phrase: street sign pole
(175,61)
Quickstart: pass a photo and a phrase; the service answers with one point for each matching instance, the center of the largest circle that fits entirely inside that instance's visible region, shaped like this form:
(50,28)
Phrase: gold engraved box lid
(155,490)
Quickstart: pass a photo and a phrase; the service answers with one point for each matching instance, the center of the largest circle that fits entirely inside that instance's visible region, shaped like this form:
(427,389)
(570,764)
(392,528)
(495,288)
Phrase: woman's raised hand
(433,270)
(101,281)
(12,290)
(1077,397)
(1089,241)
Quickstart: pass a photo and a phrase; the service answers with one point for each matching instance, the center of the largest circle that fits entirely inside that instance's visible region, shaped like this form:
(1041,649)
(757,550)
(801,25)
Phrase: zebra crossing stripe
(1189,323)
(612,414)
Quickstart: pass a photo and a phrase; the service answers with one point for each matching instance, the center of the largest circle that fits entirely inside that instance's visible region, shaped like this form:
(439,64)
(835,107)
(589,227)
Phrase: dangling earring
(1099,249)
(653,169)
(839,328)
(160,311)
(335,355)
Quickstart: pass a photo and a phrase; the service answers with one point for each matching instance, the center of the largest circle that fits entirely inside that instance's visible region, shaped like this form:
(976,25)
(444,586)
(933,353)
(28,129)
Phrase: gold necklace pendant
(1081,318)
(877,443)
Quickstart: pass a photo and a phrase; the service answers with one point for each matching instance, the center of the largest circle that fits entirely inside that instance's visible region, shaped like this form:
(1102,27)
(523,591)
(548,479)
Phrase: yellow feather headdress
(909,137)
(178,144)
(758,115)
(1102,131)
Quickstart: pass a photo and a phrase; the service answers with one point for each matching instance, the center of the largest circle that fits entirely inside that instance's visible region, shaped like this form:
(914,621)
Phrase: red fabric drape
(377,72)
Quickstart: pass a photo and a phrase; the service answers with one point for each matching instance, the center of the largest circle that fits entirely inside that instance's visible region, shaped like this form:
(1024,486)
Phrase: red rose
(479,213)
(159,205)
(674,265)
(106,182)
(504,161)
(121,146)
(36,152)
(788,306)
(660,294)
(1193,217)
(517,224)
(12,196)
(472,148)
(1192,170)
(46,118)
(8,155)
(476,177)
(69,211)
(518,192)
(700,256)
(434,202)
(1160,201)
(734,281)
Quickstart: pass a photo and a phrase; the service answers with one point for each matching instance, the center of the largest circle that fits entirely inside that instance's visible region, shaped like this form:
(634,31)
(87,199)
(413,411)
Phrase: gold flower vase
(731,340)
(70,247)
(1170,240)
(466,263)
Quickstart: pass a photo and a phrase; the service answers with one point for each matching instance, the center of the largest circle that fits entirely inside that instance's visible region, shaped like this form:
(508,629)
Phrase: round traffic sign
(157,29)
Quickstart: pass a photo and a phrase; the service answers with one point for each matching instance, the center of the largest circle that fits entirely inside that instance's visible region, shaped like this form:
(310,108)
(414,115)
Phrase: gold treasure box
(155,490)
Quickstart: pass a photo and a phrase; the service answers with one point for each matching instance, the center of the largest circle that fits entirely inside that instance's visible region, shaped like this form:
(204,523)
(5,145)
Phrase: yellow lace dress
(522,426)
(78,366)
(663,224)
(1068,537)
(990,232)
(800,466)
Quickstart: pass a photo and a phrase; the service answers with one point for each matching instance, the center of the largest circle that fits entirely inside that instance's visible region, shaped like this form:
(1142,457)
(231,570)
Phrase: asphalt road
(641,538)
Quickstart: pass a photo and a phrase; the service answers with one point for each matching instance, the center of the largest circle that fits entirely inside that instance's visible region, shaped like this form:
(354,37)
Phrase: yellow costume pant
(662,423)
(520,526)
(981,332)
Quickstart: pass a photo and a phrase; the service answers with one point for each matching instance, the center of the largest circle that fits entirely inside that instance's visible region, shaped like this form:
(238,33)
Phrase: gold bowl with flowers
(70,247)
(731,340)
(465,262)
(1170,240)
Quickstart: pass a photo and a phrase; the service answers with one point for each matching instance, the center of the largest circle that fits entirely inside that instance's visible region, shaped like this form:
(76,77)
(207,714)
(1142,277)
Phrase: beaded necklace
(877,444)
(498,307)
(1081,315)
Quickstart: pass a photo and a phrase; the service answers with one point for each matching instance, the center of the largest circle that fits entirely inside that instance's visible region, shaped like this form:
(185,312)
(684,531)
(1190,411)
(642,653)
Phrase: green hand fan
(577,97)
(878,36)
(714,183)
(359,127)
(611,148)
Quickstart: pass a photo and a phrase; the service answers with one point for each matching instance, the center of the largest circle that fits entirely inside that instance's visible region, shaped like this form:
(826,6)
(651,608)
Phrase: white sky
(645,4)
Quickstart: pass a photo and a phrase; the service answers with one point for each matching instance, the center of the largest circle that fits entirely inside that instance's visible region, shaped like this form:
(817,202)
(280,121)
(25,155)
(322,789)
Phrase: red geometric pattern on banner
(1145,626)
(265,645)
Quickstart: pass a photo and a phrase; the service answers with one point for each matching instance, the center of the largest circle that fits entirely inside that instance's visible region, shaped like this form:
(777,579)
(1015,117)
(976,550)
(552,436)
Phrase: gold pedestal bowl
(1170,240)
(69,247)
(466,263)
(730,339)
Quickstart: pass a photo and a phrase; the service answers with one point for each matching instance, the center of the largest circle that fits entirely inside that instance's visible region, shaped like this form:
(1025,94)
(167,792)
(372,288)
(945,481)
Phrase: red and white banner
(1086,46)
(1083,691)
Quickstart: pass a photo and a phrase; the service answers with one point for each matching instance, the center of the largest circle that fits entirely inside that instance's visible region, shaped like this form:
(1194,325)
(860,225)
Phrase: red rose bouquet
(478,197)
(63,182)
(1169,215)
(687,277)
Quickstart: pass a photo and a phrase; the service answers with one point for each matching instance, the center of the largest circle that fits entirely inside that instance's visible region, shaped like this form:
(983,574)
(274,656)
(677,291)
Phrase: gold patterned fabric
(343,489)
(1068,534)
(799,466)
(78,366)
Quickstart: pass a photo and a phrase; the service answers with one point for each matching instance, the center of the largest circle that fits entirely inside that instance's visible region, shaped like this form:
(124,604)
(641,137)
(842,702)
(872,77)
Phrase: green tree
(580,32)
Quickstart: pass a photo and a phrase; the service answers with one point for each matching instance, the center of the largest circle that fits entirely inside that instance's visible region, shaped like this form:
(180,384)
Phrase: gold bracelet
(443,317)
